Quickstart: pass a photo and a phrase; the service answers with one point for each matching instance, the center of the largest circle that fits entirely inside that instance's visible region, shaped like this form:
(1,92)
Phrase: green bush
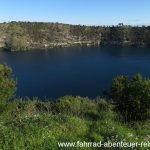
(113,131)
(132,97)
(69,104)
(7,84)
(103,105)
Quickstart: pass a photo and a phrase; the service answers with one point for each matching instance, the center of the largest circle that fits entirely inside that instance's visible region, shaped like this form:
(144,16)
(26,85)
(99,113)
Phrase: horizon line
(107,25)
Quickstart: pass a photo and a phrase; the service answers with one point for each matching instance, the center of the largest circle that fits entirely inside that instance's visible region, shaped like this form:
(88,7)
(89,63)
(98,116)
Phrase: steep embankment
(22,36)
(28,35)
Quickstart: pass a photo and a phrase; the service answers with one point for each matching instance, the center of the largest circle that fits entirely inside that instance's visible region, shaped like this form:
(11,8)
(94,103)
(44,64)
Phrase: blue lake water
(85,71)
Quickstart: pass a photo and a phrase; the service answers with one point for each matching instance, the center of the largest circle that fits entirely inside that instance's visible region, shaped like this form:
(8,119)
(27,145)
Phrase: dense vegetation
(7,84)
(36,125)
(132,97)
(29,35)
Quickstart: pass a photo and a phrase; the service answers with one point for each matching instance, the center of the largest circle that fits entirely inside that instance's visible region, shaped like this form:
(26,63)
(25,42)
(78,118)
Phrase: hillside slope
(29,35)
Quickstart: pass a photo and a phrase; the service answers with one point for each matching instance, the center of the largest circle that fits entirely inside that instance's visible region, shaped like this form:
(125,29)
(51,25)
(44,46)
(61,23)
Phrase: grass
(34,125)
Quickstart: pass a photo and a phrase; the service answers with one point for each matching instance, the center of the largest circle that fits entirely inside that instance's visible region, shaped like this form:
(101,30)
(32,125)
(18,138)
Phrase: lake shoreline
(87,45)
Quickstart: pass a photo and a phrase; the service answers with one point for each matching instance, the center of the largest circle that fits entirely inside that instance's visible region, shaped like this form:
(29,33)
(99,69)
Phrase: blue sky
(88,12)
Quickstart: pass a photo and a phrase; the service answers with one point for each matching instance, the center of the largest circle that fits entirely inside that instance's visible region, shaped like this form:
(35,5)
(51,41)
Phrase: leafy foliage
(7,84)
(132,97)
(17,43)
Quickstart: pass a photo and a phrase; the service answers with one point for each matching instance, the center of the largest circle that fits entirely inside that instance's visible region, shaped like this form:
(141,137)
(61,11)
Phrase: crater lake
(83,71)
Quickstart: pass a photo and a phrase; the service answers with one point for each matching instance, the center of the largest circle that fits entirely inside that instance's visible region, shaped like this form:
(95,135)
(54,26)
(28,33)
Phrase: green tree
(116,34)
(7,84)
(137,36)
(17,43)
(147,36)
(132,97)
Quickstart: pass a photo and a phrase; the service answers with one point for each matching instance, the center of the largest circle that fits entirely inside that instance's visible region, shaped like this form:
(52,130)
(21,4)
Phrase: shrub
(7,84)
(112,131)
(103,105)
(132,97)
(69,104)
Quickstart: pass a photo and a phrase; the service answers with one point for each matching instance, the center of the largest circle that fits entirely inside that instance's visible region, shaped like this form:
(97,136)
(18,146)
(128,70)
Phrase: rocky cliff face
(26,35)
(1,42)
(23,36)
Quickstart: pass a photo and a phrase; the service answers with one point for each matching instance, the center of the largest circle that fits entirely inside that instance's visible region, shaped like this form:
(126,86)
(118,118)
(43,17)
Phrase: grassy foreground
(34,125)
